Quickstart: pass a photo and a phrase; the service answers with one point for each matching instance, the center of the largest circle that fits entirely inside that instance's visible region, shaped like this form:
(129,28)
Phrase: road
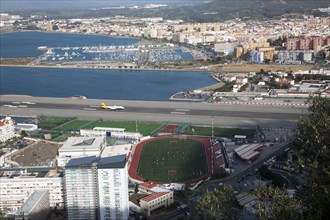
(197,113)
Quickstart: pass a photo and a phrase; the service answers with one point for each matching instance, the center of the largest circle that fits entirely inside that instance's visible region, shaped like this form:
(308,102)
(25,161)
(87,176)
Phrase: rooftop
(82,143)
(154,196)
(81,162)
(33,199)
(113,162)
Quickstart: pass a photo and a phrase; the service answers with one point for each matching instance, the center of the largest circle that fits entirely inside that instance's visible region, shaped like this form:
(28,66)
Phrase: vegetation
(172,160)
(277,179)
(49,123)
(74,125)
(227,87)
(218,204)
(220,132)
(312,141)
(276,204)
(223,9)
(62,138)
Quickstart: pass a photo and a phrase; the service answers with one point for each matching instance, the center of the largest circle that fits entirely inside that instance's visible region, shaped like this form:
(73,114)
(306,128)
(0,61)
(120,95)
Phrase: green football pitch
(172,160)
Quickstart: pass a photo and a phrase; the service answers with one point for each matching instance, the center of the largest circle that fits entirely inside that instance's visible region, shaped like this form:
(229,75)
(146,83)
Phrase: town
(252,145)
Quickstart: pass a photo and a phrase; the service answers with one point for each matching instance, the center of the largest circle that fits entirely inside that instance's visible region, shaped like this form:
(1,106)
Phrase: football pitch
(172,160)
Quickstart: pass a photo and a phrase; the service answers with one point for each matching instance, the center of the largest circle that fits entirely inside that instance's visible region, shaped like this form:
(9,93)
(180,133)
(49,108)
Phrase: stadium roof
(248,151)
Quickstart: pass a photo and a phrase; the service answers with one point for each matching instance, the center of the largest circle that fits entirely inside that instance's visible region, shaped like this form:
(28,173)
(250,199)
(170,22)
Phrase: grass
(62,138)
(49,123)
(130,126)
(220,132)
(184,156)
(74,125)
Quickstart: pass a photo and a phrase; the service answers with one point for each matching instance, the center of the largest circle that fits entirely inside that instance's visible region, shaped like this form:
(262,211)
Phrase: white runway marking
(182,110)
(178,113)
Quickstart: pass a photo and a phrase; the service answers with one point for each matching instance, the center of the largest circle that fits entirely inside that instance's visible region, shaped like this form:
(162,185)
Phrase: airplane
(112,107)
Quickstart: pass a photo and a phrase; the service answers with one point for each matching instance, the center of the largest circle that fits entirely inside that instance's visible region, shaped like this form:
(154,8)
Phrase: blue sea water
(100,84)
(25,44)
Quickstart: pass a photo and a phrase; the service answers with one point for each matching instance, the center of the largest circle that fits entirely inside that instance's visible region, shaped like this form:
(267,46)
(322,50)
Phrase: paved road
(200,113)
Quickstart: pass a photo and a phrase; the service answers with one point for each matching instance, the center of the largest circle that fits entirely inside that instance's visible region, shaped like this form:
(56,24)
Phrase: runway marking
(89,109)
(182,110)
(29,103)
(16,102)
(22,106)
(178,113)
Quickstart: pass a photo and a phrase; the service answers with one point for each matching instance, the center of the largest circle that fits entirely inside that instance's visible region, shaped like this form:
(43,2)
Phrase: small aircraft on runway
(112,107)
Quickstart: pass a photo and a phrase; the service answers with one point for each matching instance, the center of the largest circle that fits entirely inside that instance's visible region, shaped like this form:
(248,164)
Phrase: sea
(149,85)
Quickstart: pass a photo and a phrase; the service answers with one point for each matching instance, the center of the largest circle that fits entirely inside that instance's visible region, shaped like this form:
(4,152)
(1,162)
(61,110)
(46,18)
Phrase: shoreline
(124,69)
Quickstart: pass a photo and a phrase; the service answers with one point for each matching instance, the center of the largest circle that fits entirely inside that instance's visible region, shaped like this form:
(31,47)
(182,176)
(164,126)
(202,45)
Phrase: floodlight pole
(136,126)
(212,127)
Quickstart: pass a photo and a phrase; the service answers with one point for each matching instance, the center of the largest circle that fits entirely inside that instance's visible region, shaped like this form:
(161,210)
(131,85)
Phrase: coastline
(124,69)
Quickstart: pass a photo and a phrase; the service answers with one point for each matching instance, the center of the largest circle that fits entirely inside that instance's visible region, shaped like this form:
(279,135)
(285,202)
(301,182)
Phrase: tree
(276,204)
(218,203)
(312,142)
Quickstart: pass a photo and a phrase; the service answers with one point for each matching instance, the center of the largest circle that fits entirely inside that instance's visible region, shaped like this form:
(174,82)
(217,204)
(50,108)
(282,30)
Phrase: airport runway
(197,113)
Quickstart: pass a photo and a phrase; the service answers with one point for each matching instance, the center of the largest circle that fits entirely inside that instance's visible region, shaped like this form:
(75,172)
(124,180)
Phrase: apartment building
(17,186)
(97,188)
(7,129)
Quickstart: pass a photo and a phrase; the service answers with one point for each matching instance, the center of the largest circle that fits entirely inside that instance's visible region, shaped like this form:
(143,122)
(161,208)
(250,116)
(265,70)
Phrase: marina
(121,56)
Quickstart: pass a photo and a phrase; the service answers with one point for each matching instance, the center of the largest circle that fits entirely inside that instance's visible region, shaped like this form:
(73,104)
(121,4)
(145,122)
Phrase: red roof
(154,196)
(148,185)
(3,122)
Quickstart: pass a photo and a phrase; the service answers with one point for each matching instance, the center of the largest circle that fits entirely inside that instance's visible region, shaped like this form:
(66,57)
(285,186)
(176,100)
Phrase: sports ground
(179,159)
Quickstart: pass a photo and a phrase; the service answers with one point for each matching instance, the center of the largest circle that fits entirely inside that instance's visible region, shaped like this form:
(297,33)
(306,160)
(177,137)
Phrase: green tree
(276,204)
(312,142)
(220,203)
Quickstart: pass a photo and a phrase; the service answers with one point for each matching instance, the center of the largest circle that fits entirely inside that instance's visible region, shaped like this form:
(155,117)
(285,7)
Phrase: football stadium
(172,159)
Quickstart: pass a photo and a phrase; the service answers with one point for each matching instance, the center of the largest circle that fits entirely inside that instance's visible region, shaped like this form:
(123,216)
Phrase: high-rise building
(97,188)
(7,129)
(113,188)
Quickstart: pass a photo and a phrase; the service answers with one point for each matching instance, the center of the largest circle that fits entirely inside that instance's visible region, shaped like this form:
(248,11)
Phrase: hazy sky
(57,4)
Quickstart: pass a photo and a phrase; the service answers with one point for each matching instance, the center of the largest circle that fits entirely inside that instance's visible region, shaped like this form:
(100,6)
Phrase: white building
(157,199)
(97,188)
(16,187)
(81,188)
(26,127)
(113,188)
(111,132)
(76,147)
(7,129)
(35,207)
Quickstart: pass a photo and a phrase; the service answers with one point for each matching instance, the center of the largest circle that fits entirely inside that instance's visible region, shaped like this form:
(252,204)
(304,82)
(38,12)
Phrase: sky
(12,5)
